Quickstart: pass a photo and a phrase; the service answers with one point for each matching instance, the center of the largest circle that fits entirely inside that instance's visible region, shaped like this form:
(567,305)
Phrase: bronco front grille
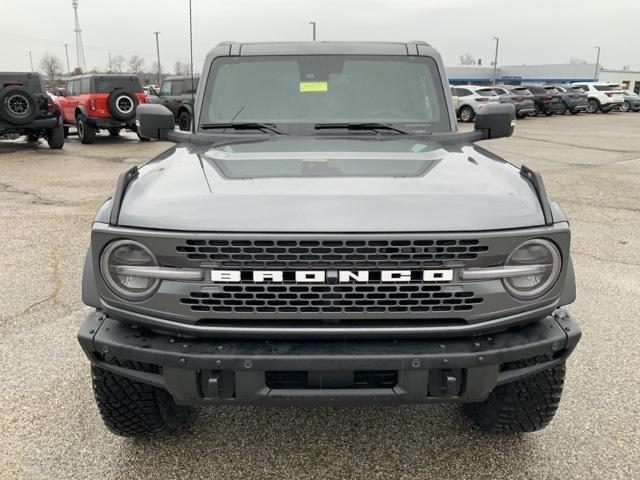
(371,298)
(328,254)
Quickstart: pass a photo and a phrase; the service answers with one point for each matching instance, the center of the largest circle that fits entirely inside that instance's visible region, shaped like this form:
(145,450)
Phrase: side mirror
(154,121)
(496,120)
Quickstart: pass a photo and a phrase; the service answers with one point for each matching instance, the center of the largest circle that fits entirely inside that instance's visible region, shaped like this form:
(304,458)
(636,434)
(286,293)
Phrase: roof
(320,48)
(110,75)
(182,77)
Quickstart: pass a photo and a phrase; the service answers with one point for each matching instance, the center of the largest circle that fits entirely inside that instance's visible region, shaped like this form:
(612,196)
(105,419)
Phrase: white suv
(471,99)
(601,95)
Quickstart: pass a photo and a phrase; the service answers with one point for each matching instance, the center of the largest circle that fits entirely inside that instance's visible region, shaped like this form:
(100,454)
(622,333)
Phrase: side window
(70,91)
(85,85)
(165,89)
(178,87)
(187,85)
(463,92)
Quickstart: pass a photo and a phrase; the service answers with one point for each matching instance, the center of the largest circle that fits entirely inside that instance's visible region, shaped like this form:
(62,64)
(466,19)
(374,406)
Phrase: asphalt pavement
(50,427)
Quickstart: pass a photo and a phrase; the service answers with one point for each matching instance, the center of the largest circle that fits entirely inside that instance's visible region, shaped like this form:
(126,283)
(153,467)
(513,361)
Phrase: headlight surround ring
(146,286)
(547,280)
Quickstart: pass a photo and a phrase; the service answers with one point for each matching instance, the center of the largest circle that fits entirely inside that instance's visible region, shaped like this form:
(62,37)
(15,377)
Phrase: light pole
(495,60)
(31,60)
(110,66)
(158,50)
(314,30)
(595,75)
(66,52)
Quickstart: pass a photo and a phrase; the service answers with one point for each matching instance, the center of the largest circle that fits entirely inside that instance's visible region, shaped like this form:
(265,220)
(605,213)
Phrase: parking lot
(51,427)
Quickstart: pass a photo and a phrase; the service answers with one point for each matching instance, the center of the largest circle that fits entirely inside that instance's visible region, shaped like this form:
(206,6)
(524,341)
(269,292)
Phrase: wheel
(134,409)
(522,406)
(184,121)
(114,131)
(66,131)
(17,105)
(466,114)
(122,104)
(563,110)
(593,105)
(86,132)
(55,137)
(625,107)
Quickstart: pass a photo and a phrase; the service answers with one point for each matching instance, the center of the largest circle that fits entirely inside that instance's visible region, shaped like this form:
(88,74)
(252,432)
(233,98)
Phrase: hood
(306,184)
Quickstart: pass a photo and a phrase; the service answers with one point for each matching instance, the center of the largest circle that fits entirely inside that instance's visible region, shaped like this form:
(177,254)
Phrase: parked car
(522,101)
(631,102)
(247,265)
(574,99)
(94,102)
(545,101)
(471,99)
(177,94)
(601,96)
(27,109)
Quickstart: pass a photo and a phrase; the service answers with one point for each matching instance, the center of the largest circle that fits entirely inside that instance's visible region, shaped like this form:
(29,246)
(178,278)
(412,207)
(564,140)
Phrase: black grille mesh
(371,298)
(323,254)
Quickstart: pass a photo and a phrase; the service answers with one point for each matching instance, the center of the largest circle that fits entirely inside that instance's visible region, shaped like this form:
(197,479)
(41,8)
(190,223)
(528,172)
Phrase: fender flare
(83,110)
(185,106)
(569,290)
(90,296)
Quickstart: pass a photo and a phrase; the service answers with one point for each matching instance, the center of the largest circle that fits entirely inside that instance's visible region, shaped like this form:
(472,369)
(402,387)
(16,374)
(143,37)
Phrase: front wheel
(184,121)
(625,107)
(134,409)
(593,105)
(55,138)
(466,114)
(563,109)
(86,132)
(524,405)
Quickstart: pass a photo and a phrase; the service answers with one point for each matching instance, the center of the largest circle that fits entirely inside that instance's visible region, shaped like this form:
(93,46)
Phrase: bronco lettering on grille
(330,276)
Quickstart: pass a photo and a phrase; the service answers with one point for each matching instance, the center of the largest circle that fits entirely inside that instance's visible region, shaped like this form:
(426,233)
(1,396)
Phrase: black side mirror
(496,120)
(154,121)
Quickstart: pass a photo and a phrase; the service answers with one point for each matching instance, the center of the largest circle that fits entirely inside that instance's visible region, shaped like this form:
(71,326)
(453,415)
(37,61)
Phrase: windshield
(311,89)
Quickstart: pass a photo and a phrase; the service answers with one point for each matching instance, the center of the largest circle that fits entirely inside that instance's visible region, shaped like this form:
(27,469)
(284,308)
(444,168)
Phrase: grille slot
(329,254)
(371,298)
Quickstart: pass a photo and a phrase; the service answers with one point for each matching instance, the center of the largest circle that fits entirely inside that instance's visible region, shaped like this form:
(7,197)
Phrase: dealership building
(553,73)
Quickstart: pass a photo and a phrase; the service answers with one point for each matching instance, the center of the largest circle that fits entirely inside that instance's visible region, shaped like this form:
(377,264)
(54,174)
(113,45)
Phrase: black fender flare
(569,290)
(82,110)
(185,106)
(90,296)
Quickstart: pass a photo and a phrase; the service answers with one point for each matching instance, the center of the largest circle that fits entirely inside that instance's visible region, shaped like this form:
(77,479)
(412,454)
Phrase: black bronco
(27,109)
(177,94)
(325,234)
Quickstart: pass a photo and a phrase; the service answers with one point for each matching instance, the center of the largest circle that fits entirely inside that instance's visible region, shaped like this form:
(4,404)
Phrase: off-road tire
(625,107)
(525,405)
(593,105)
(55,137)
(17,105)
(122,104)
(114,131)
(134,409)
(184,121)
(466,114)
(86,132)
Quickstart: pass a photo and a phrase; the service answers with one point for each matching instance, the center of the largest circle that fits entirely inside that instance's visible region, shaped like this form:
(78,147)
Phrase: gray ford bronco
(324,234)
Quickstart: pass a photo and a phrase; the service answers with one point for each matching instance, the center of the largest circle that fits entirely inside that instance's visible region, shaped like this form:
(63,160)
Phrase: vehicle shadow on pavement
(362,442)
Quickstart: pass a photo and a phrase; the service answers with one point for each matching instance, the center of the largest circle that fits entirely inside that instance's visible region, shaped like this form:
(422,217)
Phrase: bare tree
(51,65)
(117,63)
(576,61)
(136,64)
(466,59)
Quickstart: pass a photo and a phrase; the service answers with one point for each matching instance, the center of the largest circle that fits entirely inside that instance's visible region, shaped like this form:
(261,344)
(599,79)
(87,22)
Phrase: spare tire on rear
(17,105)
(122,104)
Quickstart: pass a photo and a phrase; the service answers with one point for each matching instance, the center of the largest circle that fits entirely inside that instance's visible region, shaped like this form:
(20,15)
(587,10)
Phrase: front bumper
(205,371)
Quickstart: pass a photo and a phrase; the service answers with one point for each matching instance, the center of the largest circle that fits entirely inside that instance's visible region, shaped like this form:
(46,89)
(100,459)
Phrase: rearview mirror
(154,121)
(496,120)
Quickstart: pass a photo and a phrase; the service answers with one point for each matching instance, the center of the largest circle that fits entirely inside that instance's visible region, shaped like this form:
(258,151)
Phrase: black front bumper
(203,370)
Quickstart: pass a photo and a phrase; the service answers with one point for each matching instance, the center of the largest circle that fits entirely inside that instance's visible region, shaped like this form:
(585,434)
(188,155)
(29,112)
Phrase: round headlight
(124,253)
(536,252)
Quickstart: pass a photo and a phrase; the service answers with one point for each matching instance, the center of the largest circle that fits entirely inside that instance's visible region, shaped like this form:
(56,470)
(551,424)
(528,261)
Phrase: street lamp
(595,75)
(495,60)
(314,30)
(158,50)
(66,52)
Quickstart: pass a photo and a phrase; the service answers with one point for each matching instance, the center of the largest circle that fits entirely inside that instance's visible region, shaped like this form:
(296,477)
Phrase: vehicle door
(69,101)
(164,95)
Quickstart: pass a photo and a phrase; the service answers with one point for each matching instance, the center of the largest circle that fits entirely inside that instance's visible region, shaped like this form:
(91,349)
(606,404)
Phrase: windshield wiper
(242,126)
(360,126)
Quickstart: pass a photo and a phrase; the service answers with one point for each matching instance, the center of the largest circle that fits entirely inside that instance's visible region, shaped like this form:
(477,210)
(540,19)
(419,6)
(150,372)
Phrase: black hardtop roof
(11,74)
(182,77)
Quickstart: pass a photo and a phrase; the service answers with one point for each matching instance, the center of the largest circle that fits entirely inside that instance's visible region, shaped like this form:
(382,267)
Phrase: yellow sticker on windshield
(313,87)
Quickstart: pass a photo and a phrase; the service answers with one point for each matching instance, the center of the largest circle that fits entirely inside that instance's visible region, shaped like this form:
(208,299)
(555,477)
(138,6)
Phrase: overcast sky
(543,31)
